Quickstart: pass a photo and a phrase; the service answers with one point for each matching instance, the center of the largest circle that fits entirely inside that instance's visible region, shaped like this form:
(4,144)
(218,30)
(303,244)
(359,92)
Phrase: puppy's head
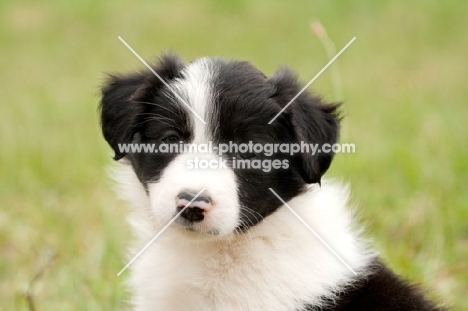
(212,103)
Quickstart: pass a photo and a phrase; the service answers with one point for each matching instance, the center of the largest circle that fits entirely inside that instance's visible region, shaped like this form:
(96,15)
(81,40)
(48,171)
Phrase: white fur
(220,186)
(276,265)
(195,88)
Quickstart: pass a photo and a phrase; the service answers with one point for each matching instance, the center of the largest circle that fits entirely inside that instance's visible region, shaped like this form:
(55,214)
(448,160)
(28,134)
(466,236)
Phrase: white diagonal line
(313,232)
(162,80)
(159,233)
(313,79)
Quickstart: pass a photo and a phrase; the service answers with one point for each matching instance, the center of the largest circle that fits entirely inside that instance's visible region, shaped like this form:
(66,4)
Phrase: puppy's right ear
(122,100)
(119,111)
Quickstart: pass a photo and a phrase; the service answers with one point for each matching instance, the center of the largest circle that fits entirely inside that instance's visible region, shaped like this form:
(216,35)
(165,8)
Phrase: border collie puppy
(236,246)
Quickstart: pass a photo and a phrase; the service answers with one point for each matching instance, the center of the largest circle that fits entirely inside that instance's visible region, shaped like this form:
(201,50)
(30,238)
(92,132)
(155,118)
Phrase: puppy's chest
(228,279)
(223,268)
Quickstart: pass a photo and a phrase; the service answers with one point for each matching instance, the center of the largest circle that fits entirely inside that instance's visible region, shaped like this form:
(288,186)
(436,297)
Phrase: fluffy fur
(246,251)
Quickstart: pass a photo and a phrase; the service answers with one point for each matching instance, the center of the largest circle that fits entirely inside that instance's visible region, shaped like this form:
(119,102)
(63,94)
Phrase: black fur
(313,121)
(134,108)
(382,290)
(246,100)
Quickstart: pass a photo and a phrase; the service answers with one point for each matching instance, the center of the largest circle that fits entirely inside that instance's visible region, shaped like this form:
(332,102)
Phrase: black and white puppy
(236,246)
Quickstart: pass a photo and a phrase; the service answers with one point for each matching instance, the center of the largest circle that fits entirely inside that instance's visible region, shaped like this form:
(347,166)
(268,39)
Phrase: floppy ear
(122,96)
(313,122)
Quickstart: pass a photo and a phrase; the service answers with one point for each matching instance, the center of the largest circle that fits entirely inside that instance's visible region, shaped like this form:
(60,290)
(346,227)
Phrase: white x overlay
(271,121)
(313,79)
(160,232)
(314,232)
(162,80)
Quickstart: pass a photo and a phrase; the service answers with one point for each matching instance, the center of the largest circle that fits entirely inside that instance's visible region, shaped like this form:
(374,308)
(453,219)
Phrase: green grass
(404,85)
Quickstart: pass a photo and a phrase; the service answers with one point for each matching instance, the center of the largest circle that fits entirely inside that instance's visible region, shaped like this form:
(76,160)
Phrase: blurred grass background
(405,91)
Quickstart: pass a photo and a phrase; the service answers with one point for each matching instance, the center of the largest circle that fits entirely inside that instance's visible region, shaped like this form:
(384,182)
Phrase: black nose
(196,210)
(192,214)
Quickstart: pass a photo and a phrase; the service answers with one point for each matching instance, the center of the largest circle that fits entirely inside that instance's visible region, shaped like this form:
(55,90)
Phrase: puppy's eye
(171,139)
(247,155)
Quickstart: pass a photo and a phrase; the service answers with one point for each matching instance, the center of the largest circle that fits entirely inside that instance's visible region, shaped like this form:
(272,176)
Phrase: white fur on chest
(276,265)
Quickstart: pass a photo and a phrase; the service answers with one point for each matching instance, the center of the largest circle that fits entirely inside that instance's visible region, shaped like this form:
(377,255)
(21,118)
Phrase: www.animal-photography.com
(233,155)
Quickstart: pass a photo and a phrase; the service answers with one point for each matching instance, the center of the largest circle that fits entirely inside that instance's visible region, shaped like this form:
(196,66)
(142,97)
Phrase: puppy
(239,236)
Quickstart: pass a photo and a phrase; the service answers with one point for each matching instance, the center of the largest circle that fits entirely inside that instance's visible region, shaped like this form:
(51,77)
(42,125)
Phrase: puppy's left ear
(313,122)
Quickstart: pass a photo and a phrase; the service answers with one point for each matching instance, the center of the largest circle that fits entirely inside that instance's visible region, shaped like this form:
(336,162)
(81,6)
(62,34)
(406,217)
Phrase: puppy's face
(214,103)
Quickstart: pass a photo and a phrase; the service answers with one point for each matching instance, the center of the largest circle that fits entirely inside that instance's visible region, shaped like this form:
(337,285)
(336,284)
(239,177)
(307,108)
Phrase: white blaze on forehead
(196,88)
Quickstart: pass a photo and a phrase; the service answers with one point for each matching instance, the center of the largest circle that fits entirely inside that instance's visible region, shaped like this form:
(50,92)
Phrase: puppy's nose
(196,210)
